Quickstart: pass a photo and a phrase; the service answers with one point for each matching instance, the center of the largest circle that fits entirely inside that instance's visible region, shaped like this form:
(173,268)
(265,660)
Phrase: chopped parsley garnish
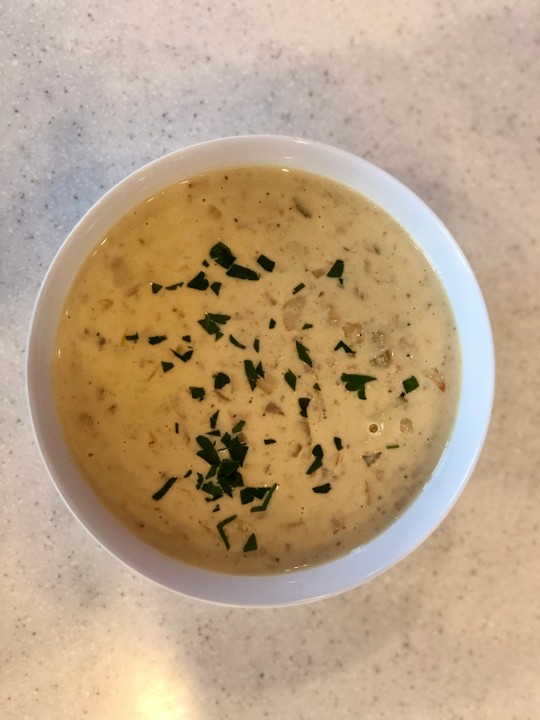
(238,427)
(215,287)
(338,443)
(304,402)
(156,287)
(272,324)
(298,288)
(197,393)
(166,366)
(174,286)
(156,339)
(166,487)
(211,323)
(253,373)
(318,454)
(176,428)
(242,273)
(205,263)
(316,386)
(256,345)
(188,473)
(132,338)
(266,263)
(220,380)
(303,353)
(235,342)
(392,447)
(290,379)
(342,346)
(357,383)
(249,494)
(208,450)
(184,357)
(269,441)
(199,282)
(186,338)
(214,433)
(322,489)
(220,528)
(410,384)
(222,254)
(307,326)
(213,420)
(262,508)
(251,543)
(336,271)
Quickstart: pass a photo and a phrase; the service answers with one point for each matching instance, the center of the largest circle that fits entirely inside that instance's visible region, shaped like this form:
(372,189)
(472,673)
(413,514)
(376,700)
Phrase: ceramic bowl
(455,466)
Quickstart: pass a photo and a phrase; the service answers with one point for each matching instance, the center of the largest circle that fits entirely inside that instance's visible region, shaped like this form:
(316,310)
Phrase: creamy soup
(257,370)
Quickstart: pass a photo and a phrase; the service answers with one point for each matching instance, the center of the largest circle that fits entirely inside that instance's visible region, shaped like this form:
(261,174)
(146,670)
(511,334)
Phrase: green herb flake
(213,419)
(156,339)
(251,543)
(186,338)
(338,443)
(307,326)
(215,287)
(272,324)
(197,393)
(249,494)
(211,323)
(156,287)
(222,254)
(336,271)
(316,386)
(132,338)
(176,428)
(205,263)
(357,383)
(410,384)
(213,490)
(266,263)
(166,487)
(256,345)
(318,454)
(208,450)
(269,441)
(220,380)
(220,528)
(392,447)
(188,473)
(342,346)
(303,353)
(322,489)
(199,282)
(238,427)
(304,402)
(298,288)
(166,366)
(242,273)
(174,286)
(184,357)
(214,433)
(235,342)
(262,508)
(253,373)
(290,379)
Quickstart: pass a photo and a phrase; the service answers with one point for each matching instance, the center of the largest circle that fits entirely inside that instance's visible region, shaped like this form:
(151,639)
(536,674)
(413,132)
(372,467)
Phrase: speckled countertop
(444,95)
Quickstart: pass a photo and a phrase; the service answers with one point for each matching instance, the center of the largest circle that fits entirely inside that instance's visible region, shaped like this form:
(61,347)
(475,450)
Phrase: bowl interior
(456,464)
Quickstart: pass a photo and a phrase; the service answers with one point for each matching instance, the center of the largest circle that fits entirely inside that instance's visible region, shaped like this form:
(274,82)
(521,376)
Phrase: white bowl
(455,466)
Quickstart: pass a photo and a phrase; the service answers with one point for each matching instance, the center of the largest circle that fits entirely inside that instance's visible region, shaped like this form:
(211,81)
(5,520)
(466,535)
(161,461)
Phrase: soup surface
(257,370)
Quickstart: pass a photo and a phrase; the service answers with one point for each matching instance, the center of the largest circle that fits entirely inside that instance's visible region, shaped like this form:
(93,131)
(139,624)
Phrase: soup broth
(257,370)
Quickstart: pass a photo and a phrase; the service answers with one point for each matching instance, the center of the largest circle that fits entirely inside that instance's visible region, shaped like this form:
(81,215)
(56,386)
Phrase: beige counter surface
(445,96)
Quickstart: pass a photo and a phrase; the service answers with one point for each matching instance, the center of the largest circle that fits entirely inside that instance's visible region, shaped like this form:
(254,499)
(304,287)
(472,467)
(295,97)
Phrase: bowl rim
(455,467)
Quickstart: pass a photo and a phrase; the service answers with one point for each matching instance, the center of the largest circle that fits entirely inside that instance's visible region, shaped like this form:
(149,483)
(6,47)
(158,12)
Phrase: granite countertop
(445,97)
